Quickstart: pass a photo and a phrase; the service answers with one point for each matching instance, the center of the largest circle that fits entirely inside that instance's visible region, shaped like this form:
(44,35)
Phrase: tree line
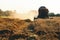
(5,13)
(8,13)
(53,14)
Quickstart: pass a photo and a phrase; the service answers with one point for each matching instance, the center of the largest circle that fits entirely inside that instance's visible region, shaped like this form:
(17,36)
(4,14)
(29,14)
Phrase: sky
(27,5)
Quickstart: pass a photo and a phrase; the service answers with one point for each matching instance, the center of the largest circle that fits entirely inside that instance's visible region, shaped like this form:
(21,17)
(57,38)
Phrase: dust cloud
(23,16)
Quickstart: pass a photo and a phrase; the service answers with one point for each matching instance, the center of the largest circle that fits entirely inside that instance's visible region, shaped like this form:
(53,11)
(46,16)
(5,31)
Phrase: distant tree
(43,12)
(7,13)
(58,15)
(51,14)
(1,12)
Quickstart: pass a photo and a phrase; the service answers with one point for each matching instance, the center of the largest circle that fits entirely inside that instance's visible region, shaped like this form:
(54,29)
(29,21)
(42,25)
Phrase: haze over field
(29,15)
(23,6)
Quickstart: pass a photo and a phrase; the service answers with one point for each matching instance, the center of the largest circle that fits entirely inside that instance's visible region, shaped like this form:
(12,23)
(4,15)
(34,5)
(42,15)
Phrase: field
(39,29)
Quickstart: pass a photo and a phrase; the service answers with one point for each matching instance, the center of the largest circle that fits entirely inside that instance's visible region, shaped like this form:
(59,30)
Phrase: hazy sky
(27,5)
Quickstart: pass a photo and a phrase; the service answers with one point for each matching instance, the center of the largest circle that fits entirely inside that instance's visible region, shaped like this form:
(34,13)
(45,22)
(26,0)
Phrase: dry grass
(47,26)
